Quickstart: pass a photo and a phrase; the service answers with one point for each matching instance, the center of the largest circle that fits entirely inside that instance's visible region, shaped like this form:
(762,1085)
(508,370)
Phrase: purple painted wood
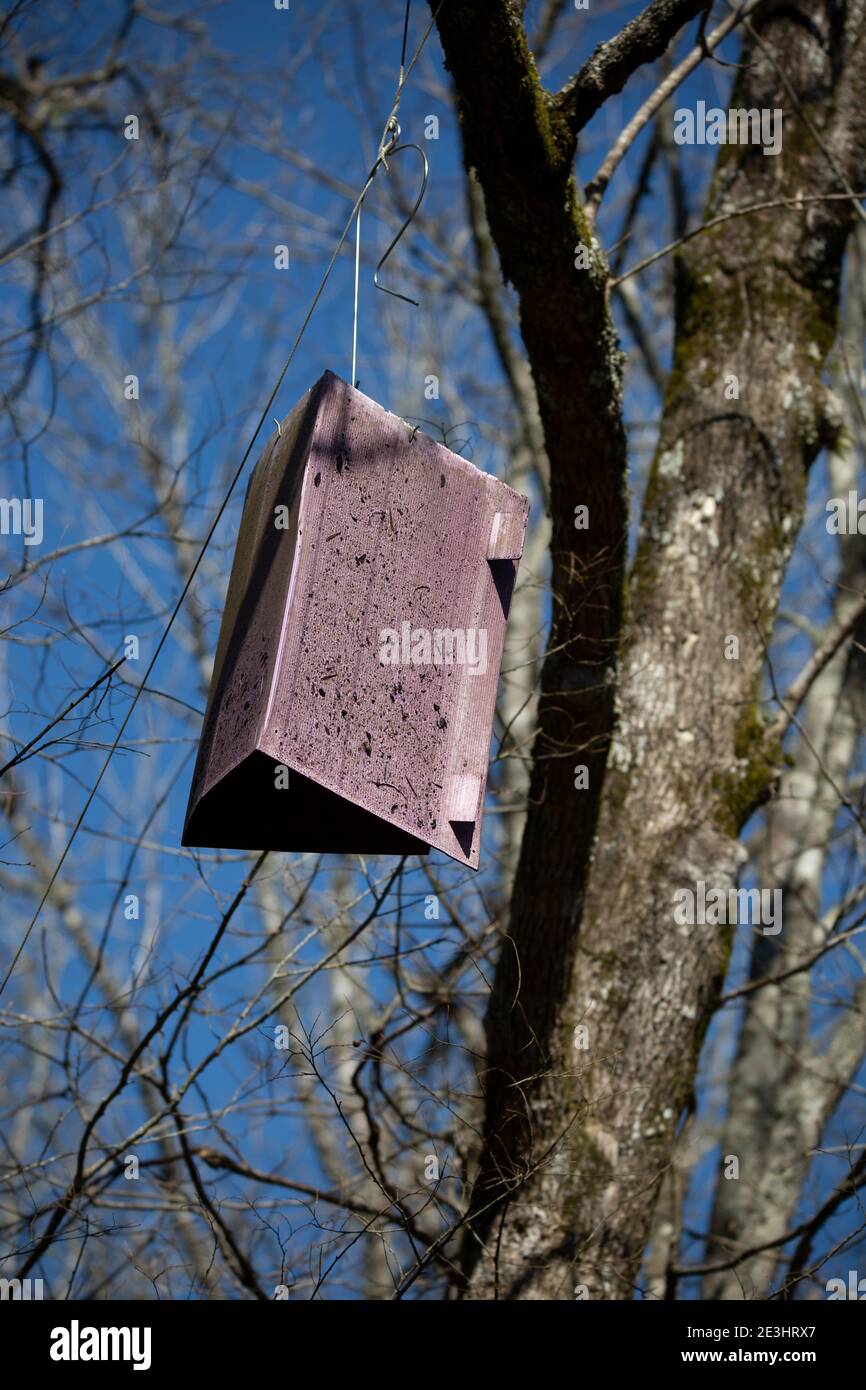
(361,641)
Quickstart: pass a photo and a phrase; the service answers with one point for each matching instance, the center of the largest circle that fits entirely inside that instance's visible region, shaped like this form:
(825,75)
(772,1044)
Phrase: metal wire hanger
(388,146)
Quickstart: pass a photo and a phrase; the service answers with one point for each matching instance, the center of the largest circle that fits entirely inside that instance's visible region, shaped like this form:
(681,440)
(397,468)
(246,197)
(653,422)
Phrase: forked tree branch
(606,72)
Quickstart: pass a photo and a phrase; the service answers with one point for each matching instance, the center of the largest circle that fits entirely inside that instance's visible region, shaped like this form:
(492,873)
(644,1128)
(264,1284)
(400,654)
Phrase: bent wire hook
(390,147)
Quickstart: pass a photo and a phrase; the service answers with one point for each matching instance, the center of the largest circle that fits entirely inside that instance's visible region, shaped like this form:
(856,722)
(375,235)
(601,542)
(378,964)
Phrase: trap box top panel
(361,640)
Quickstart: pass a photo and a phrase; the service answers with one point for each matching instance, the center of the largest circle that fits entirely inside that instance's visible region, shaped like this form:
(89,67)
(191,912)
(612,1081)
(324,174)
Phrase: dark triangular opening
(246,810)
(504,574)
(464,833)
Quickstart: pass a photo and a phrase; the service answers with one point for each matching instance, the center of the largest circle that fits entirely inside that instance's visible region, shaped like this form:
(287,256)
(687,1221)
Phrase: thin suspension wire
(405,37)
(355,313)
(384,149)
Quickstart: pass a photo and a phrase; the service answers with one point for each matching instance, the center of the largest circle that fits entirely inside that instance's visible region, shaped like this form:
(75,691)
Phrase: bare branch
(606,72)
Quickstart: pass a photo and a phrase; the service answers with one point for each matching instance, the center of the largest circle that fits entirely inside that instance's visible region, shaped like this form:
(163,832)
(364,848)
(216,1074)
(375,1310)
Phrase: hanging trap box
(360,643)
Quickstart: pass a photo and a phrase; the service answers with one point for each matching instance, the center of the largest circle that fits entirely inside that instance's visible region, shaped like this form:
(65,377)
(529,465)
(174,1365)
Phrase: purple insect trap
(353,690)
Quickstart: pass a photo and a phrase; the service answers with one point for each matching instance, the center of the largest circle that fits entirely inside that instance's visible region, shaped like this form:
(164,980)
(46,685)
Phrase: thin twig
(726,217)
(595,189)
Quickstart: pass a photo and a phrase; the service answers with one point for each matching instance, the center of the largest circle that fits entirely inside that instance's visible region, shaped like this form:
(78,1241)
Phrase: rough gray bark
(591,939)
